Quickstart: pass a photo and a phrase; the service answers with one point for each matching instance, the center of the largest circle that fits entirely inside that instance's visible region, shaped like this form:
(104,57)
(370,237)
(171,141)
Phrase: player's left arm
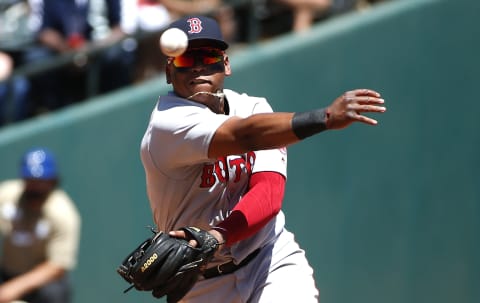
(261,203)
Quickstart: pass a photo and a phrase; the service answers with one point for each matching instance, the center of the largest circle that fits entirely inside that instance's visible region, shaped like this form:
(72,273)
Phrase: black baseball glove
(168,266)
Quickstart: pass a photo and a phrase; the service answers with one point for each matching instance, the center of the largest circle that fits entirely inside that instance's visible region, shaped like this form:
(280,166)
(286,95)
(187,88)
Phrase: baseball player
(216,159)
(40,230)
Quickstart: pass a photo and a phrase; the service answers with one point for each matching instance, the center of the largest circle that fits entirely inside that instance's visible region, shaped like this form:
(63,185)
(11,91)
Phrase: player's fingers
(361,118)
(349,99)
(178,234)
(367,100)
(181,234)
(366,92)
(366,108)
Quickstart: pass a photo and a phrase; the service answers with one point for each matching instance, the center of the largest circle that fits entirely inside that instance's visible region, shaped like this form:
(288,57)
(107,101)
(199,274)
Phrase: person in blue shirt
(66,27)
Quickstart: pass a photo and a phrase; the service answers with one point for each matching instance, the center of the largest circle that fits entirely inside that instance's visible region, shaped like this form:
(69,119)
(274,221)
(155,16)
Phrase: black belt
(229,267)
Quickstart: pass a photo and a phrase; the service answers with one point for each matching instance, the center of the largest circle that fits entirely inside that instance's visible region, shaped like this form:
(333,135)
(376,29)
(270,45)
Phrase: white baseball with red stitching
(173,42)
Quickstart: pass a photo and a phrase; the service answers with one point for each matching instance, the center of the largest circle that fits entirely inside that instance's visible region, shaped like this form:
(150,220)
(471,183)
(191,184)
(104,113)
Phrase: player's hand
(348,108)
(181,234)
(192,242)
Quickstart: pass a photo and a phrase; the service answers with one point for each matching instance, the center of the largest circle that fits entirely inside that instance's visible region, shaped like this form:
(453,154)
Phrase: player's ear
(226,63)
(168,67)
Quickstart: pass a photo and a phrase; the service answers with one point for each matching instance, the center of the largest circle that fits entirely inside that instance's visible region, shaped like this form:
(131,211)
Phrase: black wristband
(309,123)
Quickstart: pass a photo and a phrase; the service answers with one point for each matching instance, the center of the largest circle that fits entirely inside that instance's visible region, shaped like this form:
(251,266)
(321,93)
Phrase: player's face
(198,70)
(36,192)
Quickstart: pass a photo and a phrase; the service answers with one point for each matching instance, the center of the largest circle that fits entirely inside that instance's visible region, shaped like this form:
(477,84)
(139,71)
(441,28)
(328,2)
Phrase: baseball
(173,42)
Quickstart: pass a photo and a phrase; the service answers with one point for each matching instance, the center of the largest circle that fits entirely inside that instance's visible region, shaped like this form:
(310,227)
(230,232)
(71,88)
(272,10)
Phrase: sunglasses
(202,56)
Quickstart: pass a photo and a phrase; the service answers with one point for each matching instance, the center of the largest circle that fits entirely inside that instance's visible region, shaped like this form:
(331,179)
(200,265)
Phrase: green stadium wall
(389,213)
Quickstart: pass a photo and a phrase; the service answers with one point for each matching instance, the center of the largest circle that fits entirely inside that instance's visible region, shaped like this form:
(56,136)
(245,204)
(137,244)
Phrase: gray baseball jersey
(187,188)
(184,186)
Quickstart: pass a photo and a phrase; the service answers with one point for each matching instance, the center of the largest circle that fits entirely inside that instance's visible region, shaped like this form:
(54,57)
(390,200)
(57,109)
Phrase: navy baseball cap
(201,31)
(38,163)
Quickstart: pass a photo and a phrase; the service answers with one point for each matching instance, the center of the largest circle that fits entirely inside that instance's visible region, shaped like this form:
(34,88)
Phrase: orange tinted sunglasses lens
(205,56)
(183,61)
(207,60)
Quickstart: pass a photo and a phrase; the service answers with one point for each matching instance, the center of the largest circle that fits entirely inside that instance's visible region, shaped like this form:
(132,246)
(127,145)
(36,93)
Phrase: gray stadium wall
(386,214)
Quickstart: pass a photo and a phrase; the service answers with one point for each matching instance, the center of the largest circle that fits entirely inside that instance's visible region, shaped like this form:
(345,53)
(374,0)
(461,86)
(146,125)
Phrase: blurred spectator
(16,35)
(13,92)
(16,24)
(367,3)
(146,19)
(67,27)
(306,12)
(144,15)
(40,229)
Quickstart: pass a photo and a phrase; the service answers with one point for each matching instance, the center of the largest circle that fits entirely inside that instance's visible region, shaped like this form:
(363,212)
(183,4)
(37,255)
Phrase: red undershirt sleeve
(259,205)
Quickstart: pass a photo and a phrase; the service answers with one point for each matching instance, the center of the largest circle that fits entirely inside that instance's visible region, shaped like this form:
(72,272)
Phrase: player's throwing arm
(275,130)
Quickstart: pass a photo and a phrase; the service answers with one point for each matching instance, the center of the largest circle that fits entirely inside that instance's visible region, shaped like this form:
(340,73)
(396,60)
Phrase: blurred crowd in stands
(58,52)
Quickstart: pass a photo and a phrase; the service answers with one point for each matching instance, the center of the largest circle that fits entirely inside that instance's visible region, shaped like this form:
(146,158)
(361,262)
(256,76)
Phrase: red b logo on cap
(195,25)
